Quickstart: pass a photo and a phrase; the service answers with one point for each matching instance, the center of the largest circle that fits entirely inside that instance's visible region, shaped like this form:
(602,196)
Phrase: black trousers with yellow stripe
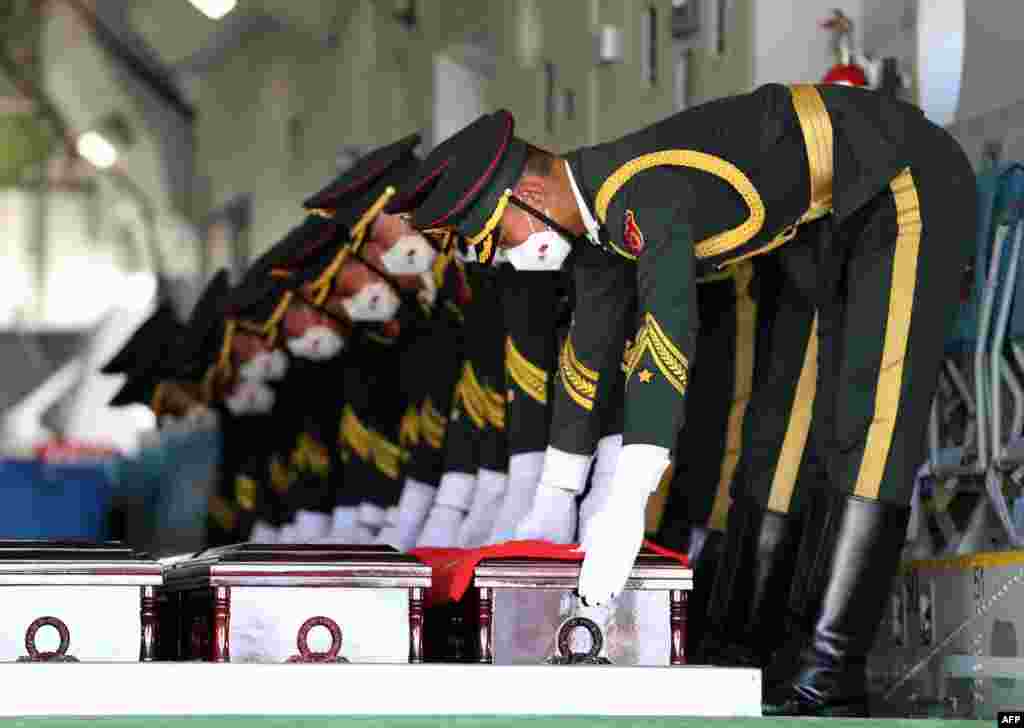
(854,364)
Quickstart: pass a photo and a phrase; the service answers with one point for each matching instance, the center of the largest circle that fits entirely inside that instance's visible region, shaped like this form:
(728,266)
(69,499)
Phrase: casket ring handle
(58,655)
(563,642)
(302,642)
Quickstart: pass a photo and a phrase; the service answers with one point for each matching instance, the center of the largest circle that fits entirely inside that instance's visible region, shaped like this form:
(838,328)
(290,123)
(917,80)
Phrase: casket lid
(337,565)
(651,572)
(41,562)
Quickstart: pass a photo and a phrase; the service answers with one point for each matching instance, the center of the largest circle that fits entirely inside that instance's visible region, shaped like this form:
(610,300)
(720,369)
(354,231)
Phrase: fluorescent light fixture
(214,9)
(97,150)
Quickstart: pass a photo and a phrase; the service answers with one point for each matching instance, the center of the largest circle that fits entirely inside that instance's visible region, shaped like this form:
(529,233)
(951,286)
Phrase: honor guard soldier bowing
(708,188)
(381,278)
(265,314)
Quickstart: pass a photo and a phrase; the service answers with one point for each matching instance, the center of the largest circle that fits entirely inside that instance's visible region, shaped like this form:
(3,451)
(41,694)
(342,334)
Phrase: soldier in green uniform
(703,190)
(383,278)
(531,348)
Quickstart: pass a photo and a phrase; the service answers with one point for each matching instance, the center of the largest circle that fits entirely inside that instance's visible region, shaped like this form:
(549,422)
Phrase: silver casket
(295,603)
(526,612)
(77,602)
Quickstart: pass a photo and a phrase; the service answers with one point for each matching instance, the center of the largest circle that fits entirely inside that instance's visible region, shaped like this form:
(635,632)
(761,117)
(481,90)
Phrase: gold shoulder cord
(485,238)
(322,285)
(816,126)
(731,174)
(155,403)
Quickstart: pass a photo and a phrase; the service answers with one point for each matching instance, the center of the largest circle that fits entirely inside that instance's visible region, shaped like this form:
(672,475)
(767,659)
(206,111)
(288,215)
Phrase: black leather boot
(858,552)
(703,578)
(801,609)
(749,596)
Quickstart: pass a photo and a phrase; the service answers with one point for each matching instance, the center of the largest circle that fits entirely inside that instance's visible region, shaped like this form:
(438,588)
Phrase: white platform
(165,689)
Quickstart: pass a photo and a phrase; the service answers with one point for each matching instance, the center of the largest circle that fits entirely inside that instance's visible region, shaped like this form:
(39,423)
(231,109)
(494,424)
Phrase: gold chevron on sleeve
(245,492)
(387,456)
(671,362)
(409,430)
(527,376)
(472,396)
(494,403)
(354,434)
(579,381)
(432,424)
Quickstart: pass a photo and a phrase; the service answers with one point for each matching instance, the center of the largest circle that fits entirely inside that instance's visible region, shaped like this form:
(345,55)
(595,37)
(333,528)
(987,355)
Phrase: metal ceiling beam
(132,60)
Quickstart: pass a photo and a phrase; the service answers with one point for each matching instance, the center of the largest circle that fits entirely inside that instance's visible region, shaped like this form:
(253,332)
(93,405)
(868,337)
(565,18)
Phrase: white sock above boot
(523,476)
(490,491)
(403,530)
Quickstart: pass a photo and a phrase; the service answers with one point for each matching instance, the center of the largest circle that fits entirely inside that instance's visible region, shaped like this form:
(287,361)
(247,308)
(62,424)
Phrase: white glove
(402,530)
(287,534)
(601,478)
(553,515)
(490,491)
(263,532)
(442,527)
(450,506)
(617,531)
(343,526)
(523,477)
(311,526)
(369,520)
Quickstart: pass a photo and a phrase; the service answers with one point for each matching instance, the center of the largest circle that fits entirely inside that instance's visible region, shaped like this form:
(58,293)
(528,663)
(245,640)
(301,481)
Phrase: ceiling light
(214,9)
(97,150)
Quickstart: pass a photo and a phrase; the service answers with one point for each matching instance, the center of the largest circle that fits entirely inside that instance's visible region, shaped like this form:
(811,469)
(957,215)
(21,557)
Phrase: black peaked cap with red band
(150,342)
(204,332)
(300,257)
(138,389)
(349,196)
(471,172)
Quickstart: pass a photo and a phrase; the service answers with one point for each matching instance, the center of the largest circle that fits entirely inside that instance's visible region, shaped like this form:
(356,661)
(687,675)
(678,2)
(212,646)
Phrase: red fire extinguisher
(848,69)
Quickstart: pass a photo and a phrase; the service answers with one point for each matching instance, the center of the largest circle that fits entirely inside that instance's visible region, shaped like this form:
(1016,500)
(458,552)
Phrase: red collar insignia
(631,236)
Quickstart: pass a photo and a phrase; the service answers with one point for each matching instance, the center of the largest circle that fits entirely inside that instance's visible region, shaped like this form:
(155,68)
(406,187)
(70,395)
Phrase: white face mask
(251,398)
(546,250)
(317,343)
(267,366)
(375,302)
(410,256)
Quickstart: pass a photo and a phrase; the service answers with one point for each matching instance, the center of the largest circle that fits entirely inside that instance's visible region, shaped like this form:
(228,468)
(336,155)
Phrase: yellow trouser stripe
(792,453)
(746,331)
(897,328)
